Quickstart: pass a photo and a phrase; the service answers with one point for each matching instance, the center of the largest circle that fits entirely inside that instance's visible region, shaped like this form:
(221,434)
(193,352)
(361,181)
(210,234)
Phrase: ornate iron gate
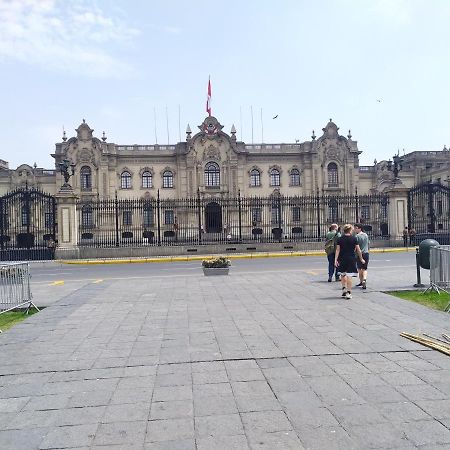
(27,225)
(429,212)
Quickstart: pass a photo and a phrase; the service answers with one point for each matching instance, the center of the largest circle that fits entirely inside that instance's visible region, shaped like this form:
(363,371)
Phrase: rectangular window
(439,207)
(25,216)
(168,217)
(127,217)
(296,214)
(275,214)
(256,215)
(383,211)
(48,220)
(365,212)
(148,217)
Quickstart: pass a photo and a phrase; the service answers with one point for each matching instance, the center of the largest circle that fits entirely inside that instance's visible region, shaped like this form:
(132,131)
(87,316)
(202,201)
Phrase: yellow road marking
(312,272)
(97,281)
(57,283)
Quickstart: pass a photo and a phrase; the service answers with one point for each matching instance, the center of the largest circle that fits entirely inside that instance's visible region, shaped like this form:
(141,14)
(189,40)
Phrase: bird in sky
(378,100)
(274,117)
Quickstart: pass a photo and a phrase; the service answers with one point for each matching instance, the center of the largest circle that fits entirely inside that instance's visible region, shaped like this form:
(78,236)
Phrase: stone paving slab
(257,361)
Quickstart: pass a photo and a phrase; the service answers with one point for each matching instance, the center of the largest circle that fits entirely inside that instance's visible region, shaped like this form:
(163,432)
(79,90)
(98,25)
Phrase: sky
(377,67)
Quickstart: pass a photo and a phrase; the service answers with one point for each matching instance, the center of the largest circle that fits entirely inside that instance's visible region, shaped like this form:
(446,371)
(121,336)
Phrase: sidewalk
(259,361)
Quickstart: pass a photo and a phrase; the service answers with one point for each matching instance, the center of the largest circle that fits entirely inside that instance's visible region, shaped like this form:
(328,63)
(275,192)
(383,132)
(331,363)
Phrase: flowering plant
(219,262)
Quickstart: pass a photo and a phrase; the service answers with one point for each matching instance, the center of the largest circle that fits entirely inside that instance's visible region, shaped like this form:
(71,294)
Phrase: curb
(202,257)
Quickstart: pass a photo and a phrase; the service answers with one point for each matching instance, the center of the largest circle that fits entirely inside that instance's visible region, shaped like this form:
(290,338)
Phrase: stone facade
(218,165)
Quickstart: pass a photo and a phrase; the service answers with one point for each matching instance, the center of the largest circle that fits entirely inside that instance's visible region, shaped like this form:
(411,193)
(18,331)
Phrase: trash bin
(424,252)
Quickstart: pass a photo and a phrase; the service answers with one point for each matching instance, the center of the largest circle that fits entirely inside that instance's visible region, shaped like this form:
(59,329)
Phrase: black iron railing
(206,220)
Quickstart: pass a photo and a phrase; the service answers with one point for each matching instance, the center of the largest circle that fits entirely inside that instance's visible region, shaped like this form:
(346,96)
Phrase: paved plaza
(253,360)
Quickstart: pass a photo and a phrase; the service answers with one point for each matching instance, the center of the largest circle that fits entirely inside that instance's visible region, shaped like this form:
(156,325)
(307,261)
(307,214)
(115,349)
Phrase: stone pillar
(67,223)
(398,209)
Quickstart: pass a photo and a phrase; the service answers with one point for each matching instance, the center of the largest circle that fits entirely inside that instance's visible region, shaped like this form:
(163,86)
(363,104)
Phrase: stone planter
(210,271)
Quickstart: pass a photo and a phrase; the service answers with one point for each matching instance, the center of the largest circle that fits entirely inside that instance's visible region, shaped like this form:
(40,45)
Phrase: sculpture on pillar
(397,166)
(64,166)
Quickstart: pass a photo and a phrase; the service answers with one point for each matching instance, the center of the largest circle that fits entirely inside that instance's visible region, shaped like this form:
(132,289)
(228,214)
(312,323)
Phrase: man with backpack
(363,242)
(330,249)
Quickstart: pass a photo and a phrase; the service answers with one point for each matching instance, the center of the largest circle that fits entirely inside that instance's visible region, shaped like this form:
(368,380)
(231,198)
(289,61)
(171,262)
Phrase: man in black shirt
(345,259)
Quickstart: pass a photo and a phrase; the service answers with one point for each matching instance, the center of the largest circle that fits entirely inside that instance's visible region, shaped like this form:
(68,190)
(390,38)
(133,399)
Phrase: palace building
(212,187)
(218,165)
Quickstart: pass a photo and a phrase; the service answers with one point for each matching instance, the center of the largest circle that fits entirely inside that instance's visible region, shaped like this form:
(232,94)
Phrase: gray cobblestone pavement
(248,361)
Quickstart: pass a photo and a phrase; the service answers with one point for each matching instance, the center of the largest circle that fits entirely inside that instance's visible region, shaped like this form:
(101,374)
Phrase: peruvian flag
(208,98)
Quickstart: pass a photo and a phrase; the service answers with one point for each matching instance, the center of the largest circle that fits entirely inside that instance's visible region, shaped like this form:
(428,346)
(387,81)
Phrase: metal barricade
(440,266)
(15,286)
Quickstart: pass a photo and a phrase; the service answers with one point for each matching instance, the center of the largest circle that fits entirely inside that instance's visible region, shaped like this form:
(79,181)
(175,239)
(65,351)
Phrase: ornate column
(398,208)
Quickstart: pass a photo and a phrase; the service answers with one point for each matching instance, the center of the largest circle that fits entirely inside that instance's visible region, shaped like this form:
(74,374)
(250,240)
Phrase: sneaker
(329,280)
(364,286)
(359,285)
(337,279)
(348,295)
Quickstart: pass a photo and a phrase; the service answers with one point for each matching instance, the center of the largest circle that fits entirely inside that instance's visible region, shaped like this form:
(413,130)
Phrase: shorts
(360,265)
(347,266)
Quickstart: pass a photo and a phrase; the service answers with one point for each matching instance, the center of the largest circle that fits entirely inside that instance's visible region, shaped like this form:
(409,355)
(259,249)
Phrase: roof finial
(331,120)
(349,135)
(84,121)
(313,136)
(188,132)
(64,138)
(104,137)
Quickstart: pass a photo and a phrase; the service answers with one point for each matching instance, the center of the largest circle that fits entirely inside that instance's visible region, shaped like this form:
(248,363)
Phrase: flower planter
(210,271)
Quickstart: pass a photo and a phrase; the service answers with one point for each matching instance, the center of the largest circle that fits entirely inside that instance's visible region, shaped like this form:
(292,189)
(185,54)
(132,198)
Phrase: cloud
(74,37)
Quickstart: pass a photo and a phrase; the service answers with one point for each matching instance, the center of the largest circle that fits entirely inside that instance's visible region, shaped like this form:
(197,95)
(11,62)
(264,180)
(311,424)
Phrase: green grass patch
(430,299)
(11,318)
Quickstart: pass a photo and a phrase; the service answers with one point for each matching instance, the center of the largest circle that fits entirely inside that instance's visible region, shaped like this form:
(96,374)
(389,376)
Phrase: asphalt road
(52,281)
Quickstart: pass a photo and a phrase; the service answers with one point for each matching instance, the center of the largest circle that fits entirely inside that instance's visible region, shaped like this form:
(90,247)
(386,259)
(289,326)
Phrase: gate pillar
(398,210)
(67,224)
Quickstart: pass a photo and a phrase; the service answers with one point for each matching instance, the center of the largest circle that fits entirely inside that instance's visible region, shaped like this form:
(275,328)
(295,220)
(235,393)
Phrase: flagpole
(240,118)
(167,126)
(262,128)
(156,134)
(251,113)
(179,124)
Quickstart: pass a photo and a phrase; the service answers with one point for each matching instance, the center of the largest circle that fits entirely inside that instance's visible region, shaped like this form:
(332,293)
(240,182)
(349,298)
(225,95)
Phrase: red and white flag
(208,98)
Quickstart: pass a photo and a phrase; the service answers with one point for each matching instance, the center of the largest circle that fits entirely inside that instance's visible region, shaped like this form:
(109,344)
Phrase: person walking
(330,250)
(412,236)
(345,259)
(405,237)
(363,242)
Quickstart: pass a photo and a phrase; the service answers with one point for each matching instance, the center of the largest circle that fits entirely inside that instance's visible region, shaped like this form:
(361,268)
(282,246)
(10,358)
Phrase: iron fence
(27,225)
(440,266)
(215,219)
(429,212)
(14,286)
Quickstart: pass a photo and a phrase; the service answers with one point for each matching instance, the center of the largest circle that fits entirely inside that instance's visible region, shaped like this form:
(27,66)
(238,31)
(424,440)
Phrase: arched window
(86,178)
(212,174)
(333,179)
(295,177)
(147,180)
(255,178)
(167,179)
(86,217)
(125,180)
(274,177)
